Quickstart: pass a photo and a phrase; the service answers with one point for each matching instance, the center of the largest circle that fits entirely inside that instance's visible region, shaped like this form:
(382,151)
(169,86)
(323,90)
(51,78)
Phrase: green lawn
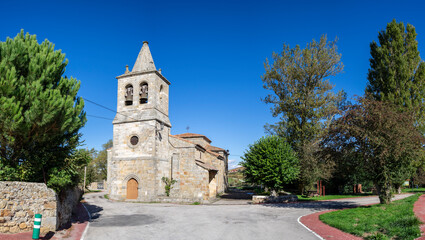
(413,190)
(330,197)
(393,221)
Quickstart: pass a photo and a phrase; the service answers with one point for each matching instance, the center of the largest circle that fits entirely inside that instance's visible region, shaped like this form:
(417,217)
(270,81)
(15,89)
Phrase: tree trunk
(384,192)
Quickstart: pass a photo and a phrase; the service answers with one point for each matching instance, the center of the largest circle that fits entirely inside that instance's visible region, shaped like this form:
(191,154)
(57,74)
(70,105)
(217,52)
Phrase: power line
(100,105)
(99,117)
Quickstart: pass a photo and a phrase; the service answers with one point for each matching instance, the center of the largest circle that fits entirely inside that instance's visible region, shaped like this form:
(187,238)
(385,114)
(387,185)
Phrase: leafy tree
(100,162)
(382,139)
(72,172)
(86,170)
(40,113)
(272,162)
(397,73)
(303,100)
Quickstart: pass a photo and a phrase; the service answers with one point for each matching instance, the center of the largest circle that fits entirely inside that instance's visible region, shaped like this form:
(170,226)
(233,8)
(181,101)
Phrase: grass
(106,196)
(330,197)
(196,203)
(392,221)
(91,191)
(413,190)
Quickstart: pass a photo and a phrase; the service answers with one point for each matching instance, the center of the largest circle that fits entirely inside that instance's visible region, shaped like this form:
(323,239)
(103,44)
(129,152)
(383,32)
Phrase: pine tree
(40,113)
(397,73)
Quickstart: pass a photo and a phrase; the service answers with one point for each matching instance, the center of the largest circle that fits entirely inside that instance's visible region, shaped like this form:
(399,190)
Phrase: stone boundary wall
(20,201)
(271,199)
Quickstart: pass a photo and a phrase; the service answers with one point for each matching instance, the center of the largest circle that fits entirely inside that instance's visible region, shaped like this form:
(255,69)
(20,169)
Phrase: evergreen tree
(397,73)
(40,113)
(303,100)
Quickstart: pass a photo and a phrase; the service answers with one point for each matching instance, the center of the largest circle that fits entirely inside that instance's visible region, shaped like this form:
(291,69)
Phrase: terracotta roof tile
(175,136)
(215,149)
(208,151)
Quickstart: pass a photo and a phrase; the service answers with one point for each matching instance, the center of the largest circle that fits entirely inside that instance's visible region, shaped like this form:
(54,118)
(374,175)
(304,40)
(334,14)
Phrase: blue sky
(211,51)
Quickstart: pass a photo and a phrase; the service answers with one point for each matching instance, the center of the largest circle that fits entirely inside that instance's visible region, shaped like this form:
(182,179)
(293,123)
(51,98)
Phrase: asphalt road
(223,220)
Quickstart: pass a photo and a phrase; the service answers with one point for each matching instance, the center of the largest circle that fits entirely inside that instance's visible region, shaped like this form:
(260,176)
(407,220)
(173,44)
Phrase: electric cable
(100,105)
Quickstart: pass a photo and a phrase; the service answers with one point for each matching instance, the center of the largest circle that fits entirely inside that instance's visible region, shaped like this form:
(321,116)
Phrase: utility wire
(100,105)
(99,117)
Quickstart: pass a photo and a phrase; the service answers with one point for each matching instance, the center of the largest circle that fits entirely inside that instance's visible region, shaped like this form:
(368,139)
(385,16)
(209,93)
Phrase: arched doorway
(132,187)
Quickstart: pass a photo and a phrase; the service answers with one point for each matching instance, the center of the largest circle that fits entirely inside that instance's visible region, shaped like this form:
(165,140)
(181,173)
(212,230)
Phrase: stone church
(144,151)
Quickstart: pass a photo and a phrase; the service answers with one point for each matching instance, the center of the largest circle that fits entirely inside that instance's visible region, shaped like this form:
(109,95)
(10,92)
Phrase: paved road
(222,220)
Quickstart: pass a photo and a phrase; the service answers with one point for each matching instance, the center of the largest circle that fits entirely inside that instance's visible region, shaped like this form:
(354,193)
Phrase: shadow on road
(237,194)
(323,205)
(94,210)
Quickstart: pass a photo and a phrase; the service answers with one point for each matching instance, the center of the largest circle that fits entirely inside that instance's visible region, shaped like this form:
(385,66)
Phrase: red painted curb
(313,222)
(419,210)
(325,231)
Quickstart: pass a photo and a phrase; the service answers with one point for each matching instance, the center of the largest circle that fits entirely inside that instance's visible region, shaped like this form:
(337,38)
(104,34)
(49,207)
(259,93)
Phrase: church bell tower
(141,129)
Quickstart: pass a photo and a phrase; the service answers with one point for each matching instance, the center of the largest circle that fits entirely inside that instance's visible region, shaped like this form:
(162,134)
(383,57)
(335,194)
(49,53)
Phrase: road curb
(88,223)
(312,223)
(317,235)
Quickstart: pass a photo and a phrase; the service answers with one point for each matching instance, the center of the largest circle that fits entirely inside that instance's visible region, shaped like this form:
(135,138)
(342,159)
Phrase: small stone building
(144,151)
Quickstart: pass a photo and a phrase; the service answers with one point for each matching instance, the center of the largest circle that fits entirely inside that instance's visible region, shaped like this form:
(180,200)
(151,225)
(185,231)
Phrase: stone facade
(20,201)
(144,151)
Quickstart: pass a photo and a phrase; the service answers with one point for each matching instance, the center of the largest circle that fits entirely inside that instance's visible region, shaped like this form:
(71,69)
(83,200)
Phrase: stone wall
(274,199)
(20,201)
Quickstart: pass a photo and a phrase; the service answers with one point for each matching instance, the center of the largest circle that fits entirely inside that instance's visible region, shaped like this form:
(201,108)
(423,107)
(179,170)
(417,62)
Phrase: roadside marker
(37,224)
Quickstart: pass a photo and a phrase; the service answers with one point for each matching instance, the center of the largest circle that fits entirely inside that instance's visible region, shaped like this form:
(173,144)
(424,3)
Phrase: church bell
(129,95)
(144,94)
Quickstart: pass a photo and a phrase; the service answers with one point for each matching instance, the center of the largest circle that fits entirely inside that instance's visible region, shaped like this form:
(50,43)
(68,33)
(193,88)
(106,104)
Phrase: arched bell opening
(143,93)
(129,95)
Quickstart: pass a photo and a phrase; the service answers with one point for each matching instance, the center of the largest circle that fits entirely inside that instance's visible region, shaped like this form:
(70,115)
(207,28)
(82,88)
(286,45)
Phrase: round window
(134,140)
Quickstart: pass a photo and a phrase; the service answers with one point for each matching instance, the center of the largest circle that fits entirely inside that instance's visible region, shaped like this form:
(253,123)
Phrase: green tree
(100,163)
(382,140)
(40,113)
(272,162)
(303,100)
(87,170)
(397,73)
(72,171)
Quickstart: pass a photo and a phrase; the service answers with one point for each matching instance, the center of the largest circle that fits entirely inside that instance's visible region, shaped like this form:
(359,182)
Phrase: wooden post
(84,186)
(318,187)
(321,191)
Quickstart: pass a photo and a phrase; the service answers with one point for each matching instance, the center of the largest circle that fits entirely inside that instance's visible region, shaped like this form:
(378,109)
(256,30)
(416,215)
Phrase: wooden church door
(132,187)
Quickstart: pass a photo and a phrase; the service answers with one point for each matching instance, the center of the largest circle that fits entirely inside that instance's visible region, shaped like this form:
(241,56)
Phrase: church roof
(206,149)
(205,165)
(144,60)
(193,135)
(215,149)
